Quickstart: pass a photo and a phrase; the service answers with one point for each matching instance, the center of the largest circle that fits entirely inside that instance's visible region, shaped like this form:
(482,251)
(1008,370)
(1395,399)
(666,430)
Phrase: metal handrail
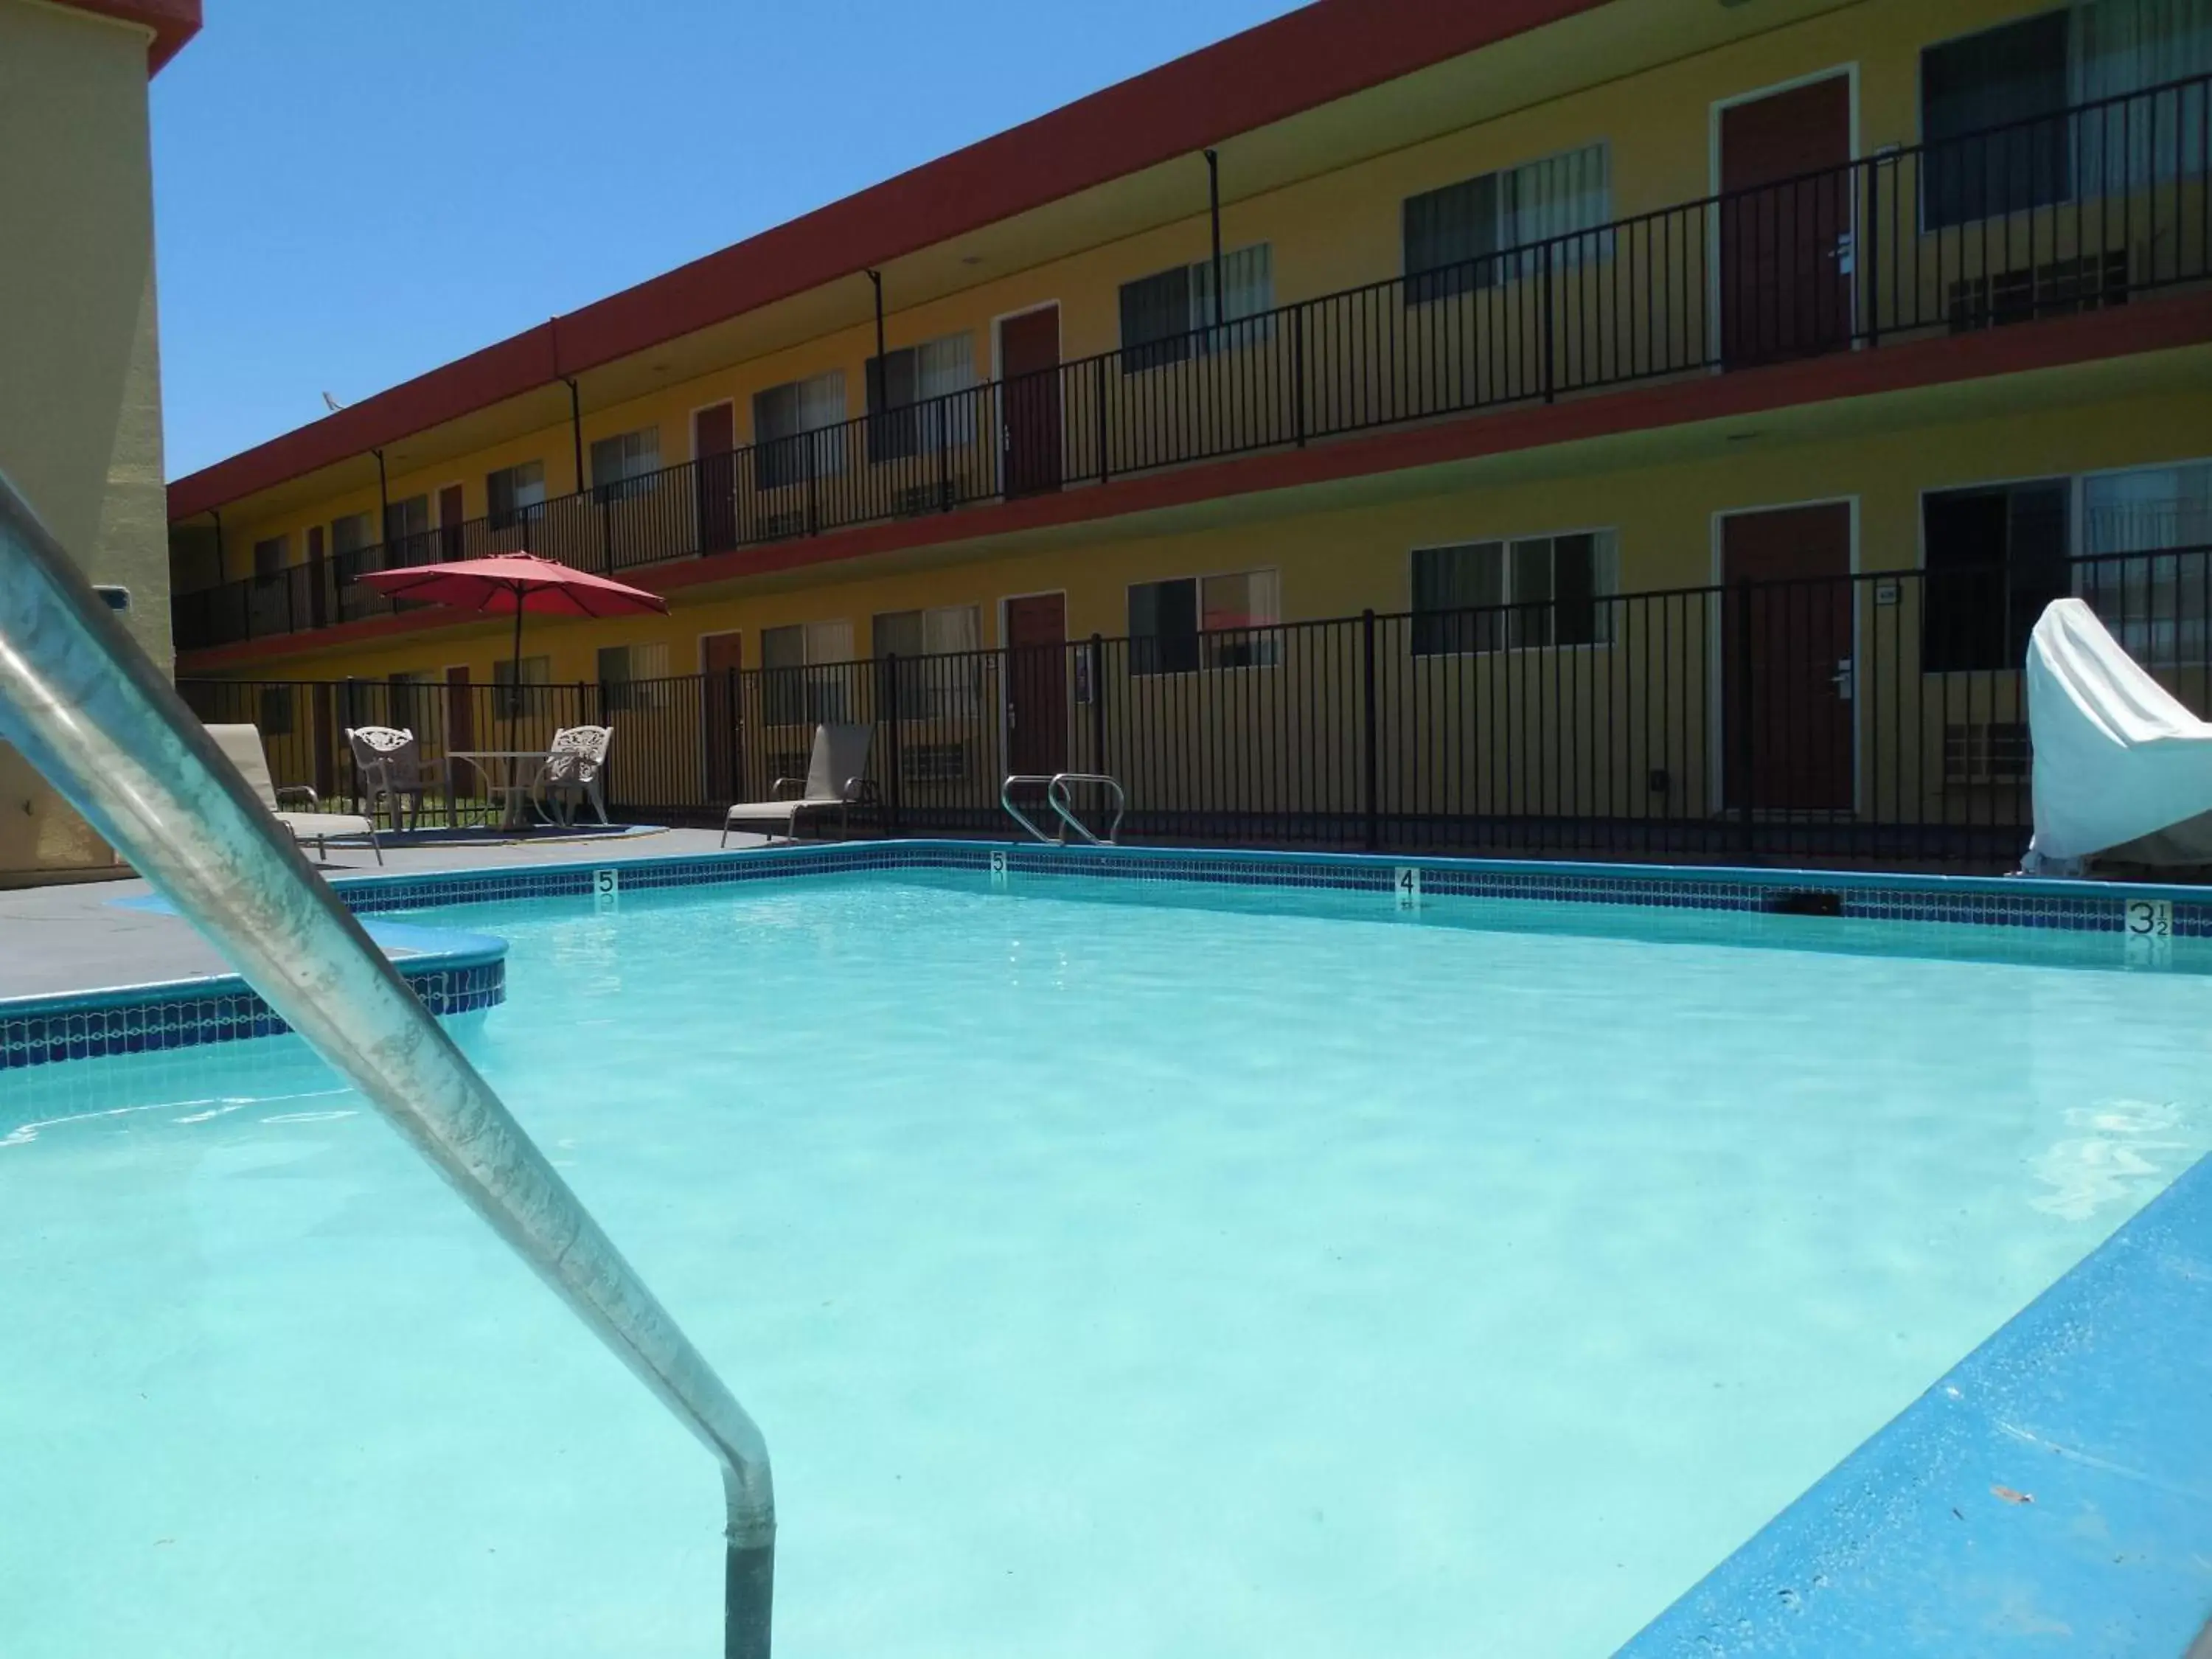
(1061,799)
(1006,801)
(87,709)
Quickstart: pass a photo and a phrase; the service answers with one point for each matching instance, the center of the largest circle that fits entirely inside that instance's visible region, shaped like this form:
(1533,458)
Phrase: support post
(1367,724)
(1213,216)
(1098,702)
(890,716)
(1744,716)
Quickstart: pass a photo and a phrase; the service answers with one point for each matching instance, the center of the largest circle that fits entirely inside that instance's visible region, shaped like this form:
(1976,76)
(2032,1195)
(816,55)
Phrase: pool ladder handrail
(1059,794)
(85,706)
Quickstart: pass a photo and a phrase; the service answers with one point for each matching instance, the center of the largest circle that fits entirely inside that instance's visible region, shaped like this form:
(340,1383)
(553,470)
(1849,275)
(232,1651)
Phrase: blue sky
(348,195)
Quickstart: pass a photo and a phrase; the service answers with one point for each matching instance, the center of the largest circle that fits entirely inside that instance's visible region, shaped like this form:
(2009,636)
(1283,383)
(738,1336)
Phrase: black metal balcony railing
(1880,716)
(2072,212)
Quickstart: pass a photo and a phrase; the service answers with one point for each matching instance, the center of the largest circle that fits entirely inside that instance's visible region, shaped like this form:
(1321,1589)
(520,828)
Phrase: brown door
(1787,658)
(1028,365)
(1785,215)
(721,657)
(450,513)
(1036,683)
(713,439)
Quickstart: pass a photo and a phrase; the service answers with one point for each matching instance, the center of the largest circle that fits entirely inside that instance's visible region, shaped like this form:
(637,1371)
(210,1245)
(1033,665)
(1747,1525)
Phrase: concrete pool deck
(88,936)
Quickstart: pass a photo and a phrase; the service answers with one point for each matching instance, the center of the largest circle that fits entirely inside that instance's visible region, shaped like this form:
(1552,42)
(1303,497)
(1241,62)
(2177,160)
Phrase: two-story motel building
(1421,310)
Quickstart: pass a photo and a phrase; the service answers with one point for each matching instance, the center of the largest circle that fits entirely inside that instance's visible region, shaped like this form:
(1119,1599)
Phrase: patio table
(506,779)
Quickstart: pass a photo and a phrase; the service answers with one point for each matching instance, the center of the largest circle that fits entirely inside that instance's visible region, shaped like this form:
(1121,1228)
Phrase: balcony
(2078,211)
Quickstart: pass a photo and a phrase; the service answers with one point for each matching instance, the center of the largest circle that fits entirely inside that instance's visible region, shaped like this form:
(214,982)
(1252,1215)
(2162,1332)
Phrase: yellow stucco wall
(1331,231)
(80,381)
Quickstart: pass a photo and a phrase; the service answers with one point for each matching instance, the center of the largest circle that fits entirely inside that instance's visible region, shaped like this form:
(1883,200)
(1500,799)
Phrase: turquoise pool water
(1183,1273)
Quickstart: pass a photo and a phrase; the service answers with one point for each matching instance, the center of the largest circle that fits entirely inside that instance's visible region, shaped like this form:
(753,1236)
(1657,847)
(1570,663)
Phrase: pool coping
(1981,1517)
(452,970)
(460,973)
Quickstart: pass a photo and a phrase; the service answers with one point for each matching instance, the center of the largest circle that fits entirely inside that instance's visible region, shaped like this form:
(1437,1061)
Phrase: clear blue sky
(348,195)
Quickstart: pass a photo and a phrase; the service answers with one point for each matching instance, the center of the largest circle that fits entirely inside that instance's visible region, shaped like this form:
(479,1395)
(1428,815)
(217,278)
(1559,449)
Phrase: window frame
(497,518)
(1202,337)
(1267,634)
(629,485)
(1495,268)
(2070,481)
(1605,546)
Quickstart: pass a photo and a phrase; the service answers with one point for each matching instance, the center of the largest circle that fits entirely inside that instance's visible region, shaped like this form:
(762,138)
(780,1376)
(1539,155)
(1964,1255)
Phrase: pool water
(1181,1273)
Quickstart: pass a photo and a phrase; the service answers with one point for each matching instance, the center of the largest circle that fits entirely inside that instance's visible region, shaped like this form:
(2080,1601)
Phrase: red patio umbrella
(516,582)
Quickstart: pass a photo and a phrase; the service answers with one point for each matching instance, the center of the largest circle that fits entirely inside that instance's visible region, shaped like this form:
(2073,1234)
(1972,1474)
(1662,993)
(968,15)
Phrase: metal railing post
(1743,696)
(87,709)
(1099,416)
(1298,373)
(1097,702)
(890,716)
(1367,793)
(1544,299)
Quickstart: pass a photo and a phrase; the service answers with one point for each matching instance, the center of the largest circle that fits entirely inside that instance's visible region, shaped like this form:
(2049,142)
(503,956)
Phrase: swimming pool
(1162,1271)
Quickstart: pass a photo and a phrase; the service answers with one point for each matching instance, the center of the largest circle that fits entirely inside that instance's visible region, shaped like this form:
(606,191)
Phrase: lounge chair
(574,769)
(241,747)
(837,776)
(389,763)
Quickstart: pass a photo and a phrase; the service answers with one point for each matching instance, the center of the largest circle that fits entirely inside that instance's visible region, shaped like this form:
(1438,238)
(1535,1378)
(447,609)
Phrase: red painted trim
(1314,56)
(2126,331)
(174,22)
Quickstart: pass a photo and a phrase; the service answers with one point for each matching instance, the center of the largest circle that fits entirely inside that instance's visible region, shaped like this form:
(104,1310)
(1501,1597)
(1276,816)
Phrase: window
(2125,47)
(950,681)
(351,533)
(1168,316)
(1211,622)
(1508,595)
(1994,107)
(516,493)
(268,557)
(619,463)
(915,400)
(1451,234)
(2001,76)
(1994,558)
(535,671)
(2155,605)
(783,415)
(803,679)
(404,523)
(633,677)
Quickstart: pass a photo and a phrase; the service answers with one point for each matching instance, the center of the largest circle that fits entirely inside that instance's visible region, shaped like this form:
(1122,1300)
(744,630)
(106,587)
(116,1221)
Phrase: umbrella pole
(514,703)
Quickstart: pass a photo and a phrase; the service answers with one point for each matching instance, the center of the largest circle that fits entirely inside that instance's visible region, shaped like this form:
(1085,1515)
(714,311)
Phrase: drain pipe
(87,709)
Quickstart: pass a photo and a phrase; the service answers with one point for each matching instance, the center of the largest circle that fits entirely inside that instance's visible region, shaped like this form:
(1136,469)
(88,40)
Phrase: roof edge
(1306,58)
(173,23)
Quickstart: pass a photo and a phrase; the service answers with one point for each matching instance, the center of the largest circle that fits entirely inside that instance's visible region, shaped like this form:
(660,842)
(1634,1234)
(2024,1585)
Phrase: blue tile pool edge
(2052,1493)
(452,971)
(1986,901)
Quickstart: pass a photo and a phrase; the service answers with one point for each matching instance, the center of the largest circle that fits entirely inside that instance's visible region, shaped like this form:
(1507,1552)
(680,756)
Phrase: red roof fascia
(1314,56)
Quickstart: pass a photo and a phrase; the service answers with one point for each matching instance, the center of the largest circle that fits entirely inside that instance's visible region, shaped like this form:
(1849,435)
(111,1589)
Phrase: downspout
(1213,213)
(576,430)
(882,400)
(383,505)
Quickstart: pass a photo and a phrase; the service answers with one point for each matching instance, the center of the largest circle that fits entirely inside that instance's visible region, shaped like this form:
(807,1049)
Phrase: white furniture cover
(2122,767)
